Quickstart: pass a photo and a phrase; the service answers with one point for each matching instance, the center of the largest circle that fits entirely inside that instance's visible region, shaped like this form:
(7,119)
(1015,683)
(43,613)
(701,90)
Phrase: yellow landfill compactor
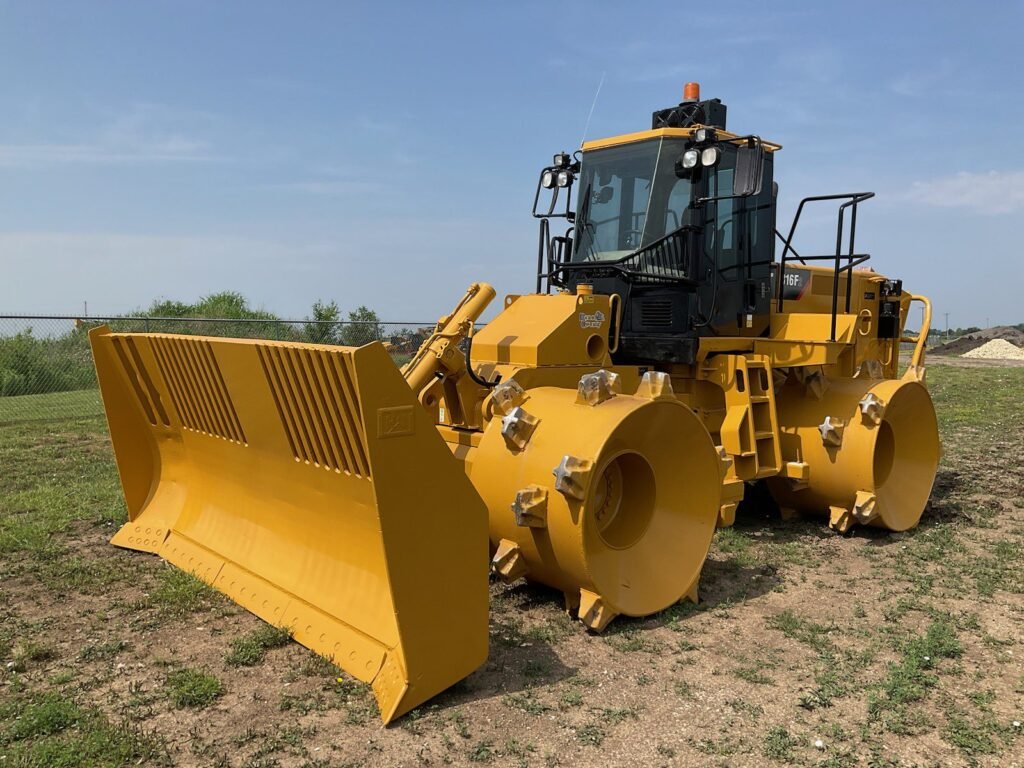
(677,349)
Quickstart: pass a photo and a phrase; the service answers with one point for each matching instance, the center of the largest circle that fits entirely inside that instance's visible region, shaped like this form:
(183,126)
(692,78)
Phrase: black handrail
(551,250)
(545,233)
(853,199)
(663,251)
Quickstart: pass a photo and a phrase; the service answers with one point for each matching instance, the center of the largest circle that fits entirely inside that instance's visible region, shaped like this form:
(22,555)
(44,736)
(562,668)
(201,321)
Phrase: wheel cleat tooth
(655,385)
(571,476)
(872,408)
(593,612)
(595,388)
(507,396)
(814,381)
(531,507)
(726,515)
(869,369)
(508,562)
(840,519)
(831,430)
(517,427)
(865,507)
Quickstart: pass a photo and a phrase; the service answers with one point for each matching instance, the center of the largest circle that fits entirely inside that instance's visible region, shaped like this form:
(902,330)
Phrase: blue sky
(386,154)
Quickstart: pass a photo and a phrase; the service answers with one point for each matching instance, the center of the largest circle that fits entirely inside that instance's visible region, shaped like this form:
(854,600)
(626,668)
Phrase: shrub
(32,365)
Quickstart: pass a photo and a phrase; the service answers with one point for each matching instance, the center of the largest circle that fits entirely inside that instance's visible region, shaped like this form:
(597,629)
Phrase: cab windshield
(629,197)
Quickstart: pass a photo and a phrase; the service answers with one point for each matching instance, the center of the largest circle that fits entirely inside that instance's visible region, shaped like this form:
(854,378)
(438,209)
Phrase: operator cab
(678,220)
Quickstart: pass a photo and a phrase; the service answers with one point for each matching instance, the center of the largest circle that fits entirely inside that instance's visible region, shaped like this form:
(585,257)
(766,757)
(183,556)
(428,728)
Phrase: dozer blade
(307,484)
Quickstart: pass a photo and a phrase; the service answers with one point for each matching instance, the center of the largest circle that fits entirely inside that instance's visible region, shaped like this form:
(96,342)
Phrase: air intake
(709,112)
(656,314)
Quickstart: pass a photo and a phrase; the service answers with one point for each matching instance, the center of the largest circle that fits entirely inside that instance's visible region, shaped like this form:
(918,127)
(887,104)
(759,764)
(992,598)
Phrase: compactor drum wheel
(871,446)
(613,503)
(307,484)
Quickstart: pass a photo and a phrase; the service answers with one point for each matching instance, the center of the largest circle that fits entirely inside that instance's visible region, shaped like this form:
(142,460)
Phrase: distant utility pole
(85,309)
(947,326)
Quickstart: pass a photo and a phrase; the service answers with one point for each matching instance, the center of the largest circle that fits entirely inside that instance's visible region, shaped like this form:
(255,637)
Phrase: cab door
(738,248)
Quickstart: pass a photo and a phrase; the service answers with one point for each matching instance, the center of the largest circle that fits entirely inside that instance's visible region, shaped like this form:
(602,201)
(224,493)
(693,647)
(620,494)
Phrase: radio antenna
(593,104)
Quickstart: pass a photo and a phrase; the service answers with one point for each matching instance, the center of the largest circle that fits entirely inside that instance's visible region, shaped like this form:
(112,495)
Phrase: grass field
(808,648)
(56,406)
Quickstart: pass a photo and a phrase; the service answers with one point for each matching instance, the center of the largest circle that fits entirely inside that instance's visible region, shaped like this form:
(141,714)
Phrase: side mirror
(749,173)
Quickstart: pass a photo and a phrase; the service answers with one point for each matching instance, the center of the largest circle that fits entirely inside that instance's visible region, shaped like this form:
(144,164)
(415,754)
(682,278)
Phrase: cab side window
(720,233)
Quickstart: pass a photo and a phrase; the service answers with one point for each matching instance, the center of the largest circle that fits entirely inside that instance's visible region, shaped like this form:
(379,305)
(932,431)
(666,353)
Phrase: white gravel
(997,349)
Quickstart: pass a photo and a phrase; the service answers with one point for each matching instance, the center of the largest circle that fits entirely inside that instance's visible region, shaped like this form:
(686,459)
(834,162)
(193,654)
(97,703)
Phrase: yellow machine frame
(328,492)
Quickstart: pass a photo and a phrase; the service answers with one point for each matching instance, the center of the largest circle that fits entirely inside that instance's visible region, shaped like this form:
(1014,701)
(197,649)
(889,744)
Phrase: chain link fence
(46,368)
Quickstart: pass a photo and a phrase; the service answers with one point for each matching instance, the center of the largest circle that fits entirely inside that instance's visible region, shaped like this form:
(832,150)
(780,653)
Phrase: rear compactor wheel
(872,450)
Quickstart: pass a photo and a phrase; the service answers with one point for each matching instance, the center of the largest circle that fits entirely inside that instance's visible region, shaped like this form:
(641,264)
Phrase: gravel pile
(997,349)
(974,340)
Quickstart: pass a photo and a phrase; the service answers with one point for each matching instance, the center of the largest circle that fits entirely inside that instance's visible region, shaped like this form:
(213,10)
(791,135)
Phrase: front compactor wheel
(621,500)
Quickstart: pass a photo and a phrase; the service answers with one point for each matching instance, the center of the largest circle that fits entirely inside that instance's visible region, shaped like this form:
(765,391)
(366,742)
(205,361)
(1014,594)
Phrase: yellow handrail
(916,369)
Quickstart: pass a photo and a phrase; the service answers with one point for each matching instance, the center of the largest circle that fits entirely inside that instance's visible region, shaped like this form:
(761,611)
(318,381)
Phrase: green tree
(363,326)
(324,325)
(168,308)
(226,304)
(229,306)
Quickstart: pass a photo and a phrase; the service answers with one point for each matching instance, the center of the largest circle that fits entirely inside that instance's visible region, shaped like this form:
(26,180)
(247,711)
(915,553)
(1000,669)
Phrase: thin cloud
(328,187)
(937,77)
(284,274)
(283,85)
(817,65)
(992,193)
(42,155)
(329,179)
(141,134)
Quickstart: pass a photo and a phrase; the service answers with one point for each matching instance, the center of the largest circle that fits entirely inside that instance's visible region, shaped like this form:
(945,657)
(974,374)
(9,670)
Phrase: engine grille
(656,314)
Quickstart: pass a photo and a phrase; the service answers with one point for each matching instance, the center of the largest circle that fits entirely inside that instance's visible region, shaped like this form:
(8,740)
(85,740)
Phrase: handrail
(916,370)
(660,248)
(615,306)
(853,199)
